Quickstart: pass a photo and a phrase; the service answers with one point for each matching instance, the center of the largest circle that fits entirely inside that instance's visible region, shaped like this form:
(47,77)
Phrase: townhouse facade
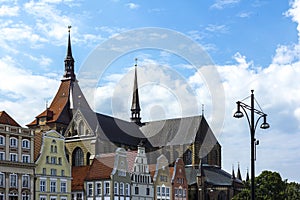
(53,170)
(16,160)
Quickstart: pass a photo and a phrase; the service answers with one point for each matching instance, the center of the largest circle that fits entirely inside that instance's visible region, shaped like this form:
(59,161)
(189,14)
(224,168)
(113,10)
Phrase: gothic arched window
(77,157)
(81,128)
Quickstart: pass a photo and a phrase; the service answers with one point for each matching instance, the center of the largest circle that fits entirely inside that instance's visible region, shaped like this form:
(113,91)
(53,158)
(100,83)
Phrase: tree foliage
(270,186)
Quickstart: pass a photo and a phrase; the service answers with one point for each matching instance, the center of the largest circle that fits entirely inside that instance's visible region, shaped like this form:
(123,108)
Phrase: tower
(135,106)
(69,60)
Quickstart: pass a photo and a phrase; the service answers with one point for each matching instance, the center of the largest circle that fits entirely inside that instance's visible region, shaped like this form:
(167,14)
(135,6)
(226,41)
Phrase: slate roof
(78,175)
(214,175)
(7,119)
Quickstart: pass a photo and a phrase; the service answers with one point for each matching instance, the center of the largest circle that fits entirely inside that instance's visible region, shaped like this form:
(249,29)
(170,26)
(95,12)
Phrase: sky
(251,44)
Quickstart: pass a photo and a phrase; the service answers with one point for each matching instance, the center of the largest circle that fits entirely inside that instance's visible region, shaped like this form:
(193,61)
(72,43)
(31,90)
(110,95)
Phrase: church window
(77,157)
(188,157)
(81,128)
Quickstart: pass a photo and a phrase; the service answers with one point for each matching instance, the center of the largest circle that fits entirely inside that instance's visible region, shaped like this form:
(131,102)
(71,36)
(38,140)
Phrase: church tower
(69,60)
(135,106)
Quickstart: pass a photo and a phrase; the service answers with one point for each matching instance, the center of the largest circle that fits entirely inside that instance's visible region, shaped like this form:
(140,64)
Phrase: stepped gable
(178,131)
(8,120)
(78,175)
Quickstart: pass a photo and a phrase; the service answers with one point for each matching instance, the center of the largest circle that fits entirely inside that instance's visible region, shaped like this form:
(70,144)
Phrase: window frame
(14,144)
(2,140)
(27,144)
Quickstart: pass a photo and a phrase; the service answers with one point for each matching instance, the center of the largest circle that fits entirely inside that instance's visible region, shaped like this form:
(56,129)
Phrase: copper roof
(6,119)
(78,175)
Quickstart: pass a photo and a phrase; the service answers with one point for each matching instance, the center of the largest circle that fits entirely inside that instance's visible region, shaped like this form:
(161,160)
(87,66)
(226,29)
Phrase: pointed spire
(233,175)
(135,106)
(247,176)
(69,60)
(239,173)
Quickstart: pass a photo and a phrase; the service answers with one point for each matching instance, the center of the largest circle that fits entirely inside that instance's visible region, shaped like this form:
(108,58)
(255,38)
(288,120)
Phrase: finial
(252,91)
(202,109)
(135,61)
(69,28)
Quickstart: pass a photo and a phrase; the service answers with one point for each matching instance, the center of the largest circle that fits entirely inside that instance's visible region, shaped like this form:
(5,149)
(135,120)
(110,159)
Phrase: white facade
(142,185)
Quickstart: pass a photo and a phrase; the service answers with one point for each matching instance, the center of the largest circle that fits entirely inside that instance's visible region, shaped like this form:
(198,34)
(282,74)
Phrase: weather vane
(136,61)
(69,28)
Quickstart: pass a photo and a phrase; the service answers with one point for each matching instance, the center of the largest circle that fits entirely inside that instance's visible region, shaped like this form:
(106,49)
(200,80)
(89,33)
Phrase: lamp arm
(257,121)
(249,123)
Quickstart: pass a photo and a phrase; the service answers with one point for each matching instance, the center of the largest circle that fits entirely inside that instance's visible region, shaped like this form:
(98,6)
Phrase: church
(89,133)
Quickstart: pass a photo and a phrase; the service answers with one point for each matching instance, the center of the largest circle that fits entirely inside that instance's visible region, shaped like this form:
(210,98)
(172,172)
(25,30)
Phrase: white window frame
(2,157)
(127,189)
(53,186)
(43,197)
(122,188)
(89,189)
(98,189)
(106,188)
(15,181)
(13,144)
(2,179)
(14,156)
(25,196)
(26,160)
(116,188)
(63,186)
(43,186)
(2,140)
(25,144)
(28,181)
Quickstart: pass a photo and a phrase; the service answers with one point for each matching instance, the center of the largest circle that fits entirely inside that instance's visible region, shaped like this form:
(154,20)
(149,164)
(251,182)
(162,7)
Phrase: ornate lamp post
(252,126)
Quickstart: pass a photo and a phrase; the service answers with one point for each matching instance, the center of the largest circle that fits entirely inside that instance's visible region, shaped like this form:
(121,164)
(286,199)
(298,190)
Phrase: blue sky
(253,44)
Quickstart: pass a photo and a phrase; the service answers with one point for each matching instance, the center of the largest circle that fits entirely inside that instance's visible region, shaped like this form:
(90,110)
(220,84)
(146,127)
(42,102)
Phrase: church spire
(135,106)
(69,60)
(239,176)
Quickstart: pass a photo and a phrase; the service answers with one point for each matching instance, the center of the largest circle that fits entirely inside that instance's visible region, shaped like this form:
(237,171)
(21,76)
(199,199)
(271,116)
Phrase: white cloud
(294,12)
(132,6)
(19,89)
(220,4)
(217,28)
(9,11)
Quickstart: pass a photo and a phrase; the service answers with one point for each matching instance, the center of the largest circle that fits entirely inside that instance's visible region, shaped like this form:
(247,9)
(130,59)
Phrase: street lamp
(252,126)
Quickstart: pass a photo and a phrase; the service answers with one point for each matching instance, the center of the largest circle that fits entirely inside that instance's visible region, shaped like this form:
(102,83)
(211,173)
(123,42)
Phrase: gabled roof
(214,175)
(8,120)
(38,140)
(178,131)
(101,168)
(131,155)
(78,175)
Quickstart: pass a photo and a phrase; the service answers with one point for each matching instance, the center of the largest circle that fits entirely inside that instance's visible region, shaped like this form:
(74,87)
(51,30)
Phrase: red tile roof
(131,155)
(78,174)
(57,107)
(101,168)
(6,119)
(38,139)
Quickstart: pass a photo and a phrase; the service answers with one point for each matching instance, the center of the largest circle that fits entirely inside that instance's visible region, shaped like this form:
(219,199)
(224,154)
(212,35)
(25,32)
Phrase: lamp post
(252,126)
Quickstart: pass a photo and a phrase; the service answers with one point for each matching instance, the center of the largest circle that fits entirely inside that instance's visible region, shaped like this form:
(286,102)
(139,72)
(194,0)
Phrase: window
(136,190)
(13,157)
(25,181)
(44,171)
(63,186)
(52,186)
(167,192)
(42,185)
(2,180)
(13,180)
(42,198)
(77,157)
(98,189)
(59,161)
(121,188)
(2,140)
(147,191)
(1,195)
(25,144)
(53,198)
(106,188)
(116,188)
(25,196)
(25,158)
(62,172)
(53,172)
(79,196)
(163,191)
(90,189)
(13,142)
(158,191)
(127,189)
(53,160)
(2,155)
(47,159)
